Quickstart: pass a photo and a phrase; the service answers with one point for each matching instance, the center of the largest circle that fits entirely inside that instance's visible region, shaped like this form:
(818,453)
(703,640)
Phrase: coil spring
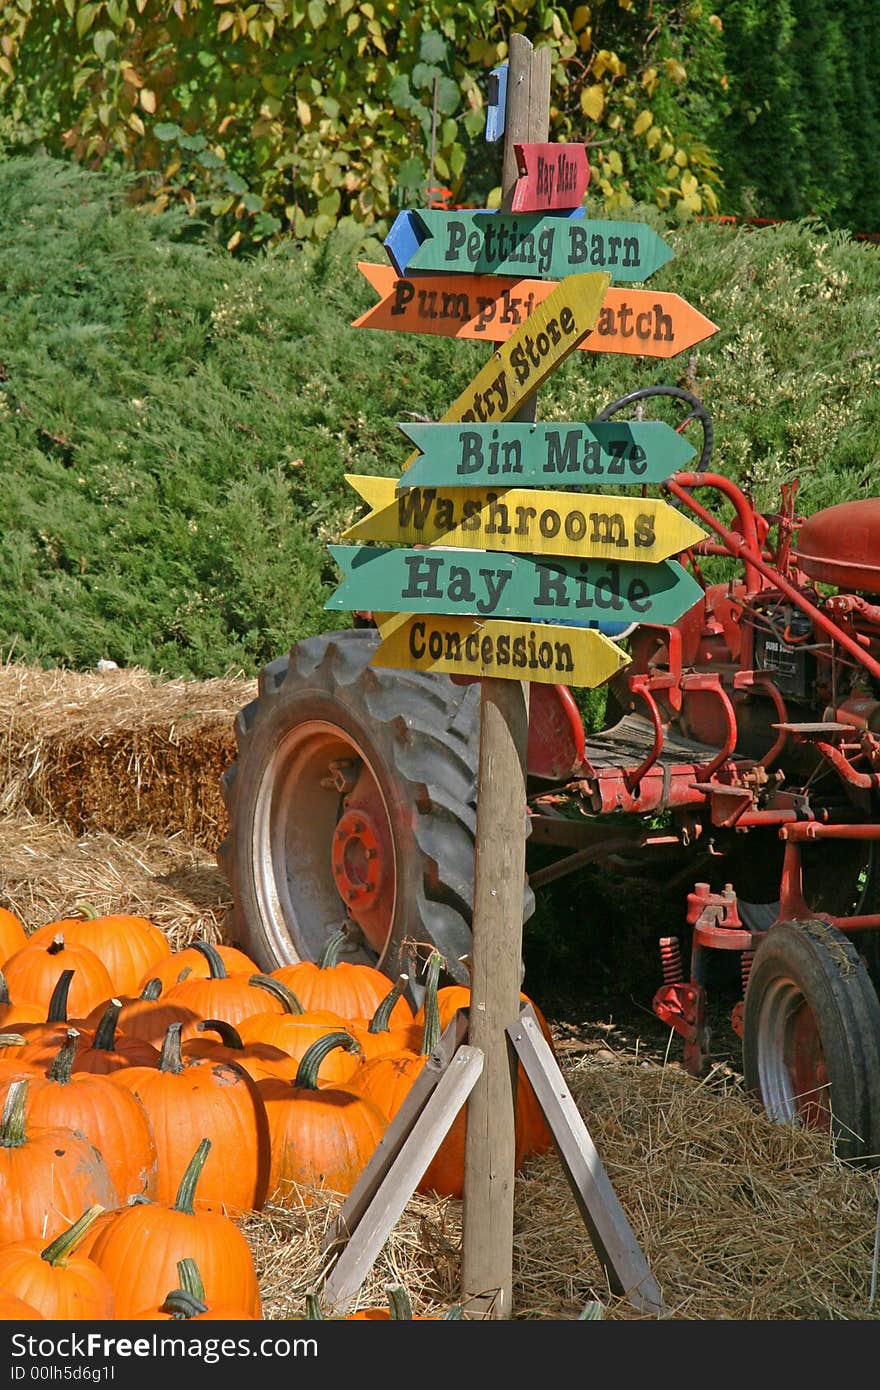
(670,960)
(745,966)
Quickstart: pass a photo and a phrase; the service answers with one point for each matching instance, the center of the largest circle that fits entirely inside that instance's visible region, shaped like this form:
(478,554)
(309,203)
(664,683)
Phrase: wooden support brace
(612,1236)
(390,1178)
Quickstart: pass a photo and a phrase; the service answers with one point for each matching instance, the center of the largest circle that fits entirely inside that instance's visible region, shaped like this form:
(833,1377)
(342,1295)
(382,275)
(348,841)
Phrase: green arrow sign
(531,244)
(586,593)
(600,453)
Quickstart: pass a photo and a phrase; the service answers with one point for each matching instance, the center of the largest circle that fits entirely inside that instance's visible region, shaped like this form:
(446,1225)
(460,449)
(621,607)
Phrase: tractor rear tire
(353,800)
(811,1036)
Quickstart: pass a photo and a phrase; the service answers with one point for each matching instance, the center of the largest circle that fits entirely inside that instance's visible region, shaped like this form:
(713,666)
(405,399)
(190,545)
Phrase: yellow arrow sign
(503,649)
(541,342)
(522,520)
(545,339)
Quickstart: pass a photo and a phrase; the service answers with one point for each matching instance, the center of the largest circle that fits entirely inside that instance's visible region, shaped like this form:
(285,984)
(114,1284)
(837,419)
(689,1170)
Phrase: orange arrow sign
(636,322)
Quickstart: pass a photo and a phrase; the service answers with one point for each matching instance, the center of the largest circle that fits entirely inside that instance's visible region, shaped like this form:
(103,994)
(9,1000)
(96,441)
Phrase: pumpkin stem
(12,1130)
(307,1071)
(62,1062)
(57,945)
(431,1029)
(190,1279)
(229,1036)
(399,1306)
(280,990)
(454,1313)
(181,1305)
(86,911)
(184,974)
(58,1002)
(213,957)
(4,990)
(330,953)
(187,1189)
(12,1040)
(105,1033)
(314,1310)
(64,1245)
(152,989)
(171,1058)
(381,1020)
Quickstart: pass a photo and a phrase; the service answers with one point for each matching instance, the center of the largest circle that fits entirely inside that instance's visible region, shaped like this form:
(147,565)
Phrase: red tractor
(742,747)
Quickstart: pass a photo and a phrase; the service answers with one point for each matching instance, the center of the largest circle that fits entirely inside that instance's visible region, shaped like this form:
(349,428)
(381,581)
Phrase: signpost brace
(610,1232)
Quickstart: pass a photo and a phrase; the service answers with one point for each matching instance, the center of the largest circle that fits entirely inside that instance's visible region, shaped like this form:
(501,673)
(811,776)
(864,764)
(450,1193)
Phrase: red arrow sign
(636,322)
(551,176)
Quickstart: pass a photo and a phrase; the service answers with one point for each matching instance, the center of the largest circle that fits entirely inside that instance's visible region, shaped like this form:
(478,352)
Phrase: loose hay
(120,751)
(738,1218)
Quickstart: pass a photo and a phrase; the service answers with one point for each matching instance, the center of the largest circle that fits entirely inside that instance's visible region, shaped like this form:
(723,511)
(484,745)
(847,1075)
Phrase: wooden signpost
(482,575)
(646,323)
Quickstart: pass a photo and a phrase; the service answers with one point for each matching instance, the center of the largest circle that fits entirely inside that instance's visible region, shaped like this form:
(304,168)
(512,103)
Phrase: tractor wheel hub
(358,862)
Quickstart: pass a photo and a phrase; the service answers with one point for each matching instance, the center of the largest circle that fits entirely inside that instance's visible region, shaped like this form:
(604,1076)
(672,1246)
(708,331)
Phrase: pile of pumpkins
(149,1097)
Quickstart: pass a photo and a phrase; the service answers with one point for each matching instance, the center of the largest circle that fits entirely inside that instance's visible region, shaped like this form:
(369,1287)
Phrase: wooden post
(499,870)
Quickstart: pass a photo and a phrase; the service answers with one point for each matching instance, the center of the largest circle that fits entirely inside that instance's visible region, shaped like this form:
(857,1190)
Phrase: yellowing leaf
(226,21)
(615,163)
(688,184)
(147,100)
(136,123)
(303,111)
(643,121)
(715,21)
(581,18)
(593,102)
(652,137)
(665,152)
(680,158)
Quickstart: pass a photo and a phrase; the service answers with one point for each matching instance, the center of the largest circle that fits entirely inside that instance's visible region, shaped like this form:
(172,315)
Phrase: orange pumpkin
(56,1279)
(190,962)
(12,934)
(13,1309)
(345,988)
(129,946)
(146,1016)
(45,1174)
(258,1059)
(109,1049)
(321,1137)
(110,1116)
(12,1014)
(378,1036)
(187,1303)
(41,1041)
(294,1029)
(219,994)
(139,1249)
(32,973)
(206,1099)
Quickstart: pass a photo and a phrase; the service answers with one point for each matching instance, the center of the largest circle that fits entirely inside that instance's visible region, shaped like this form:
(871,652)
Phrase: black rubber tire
(812,966)
(419,738)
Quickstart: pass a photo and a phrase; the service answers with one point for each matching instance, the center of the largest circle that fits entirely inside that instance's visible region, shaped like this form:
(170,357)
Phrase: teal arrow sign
(534,244)
(585,593)
(599,453)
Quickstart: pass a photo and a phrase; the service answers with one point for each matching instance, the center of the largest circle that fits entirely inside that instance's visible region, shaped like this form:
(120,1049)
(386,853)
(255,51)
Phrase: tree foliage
(278,116)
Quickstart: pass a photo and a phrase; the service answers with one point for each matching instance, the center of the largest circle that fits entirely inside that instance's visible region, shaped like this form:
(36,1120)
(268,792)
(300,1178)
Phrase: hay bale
(120,751)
